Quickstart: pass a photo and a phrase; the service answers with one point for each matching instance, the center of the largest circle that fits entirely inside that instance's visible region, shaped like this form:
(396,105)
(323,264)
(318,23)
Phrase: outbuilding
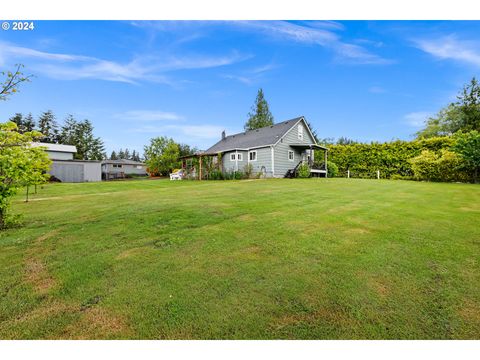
(67,169)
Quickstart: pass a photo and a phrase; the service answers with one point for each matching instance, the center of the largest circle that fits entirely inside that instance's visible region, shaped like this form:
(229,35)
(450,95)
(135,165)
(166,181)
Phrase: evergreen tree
(18,119)
(127,154)
(121,154)
(113,155)
(29,123)
(260,115)
(69,131)
(88,146)
(48,127)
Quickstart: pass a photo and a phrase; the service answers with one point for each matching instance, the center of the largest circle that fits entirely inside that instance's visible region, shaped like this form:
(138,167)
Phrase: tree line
(70,132)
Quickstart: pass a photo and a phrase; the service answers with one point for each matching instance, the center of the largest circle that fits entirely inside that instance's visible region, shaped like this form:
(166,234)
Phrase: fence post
(348,174)
(378,174)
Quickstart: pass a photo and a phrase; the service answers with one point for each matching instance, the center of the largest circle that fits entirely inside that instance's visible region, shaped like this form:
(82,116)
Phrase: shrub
(215,175)
(443,166)
(363,160)
(303,171)
(248,171)
(332,168)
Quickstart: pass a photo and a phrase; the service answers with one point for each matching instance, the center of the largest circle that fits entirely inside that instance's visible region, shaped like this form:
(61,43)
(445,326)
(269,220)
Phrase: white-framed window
(117,165)
(232,157)
(139,167)
(300,132)
(252,155)
(291,155)
(240,157)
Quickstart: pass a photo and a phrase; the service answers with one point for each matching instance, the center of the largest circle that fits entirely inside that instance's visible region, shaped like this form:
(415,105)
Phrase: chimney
(223,135)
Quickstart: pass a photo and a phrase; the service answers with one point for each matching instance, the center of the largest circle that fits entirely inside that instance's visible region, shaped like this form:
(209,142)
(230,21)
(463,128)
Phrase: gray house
(114,169)
(274,151)
(67,169)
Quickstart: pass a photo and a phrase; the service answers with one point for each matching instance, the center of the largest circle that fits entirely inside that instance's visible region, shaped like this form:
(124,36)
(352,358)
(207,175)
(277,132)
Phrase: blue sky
(367,80)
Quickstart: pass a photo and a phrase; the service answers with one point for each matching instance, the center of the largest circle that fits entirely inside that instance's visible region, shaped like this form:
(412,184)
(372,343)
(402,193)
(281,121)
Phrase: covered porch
(200,165)
(308,157)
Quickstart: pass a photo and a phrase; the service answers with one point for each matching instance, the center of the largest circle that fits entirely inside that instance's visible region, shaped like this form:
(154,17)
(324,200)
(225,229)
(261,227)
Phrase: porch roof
(308,146)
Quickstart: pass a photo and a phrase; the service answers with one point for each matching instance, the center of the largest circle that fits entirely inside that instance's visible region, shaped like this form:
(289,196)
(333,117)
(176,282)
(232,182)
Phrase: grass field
(264,259)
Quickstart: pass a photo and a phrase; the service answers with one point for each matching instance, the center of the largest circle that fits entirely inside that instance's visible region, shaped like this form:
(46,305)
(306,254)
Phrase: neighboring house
(274,151)
(66,169)
(114,169)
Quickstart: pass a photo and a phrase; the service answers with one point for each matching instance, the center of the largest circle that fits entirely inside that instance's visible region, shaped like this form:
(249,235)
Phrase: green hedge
(391,158)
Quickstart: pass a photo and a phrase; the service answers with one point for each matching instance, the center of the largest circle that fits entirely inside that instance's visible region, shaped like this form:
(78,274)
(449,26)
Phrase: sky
(189,80)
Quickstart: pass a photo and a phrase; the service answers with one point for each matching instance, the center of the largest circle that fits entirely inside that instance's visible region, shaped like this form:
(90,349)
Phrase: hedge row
(391,158)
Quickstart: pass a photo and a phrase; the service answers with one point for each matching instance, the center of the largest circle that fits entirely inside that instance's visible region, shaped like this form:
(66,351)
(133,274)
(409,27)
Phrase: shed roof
(265,136)
(56,147)
(122,162)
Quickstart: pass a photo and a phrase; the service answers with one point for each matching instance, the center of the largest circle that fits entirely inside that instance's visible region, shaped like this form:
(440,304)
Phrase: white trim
(234,158)
(300,131)
(288,156)
(239,156)
(253,152)
(306,125)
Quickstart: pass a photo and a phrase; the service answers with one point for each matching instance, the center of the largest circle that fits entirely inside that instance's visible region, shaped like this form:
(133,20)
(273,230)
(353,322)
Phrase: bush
(332,168)
(363,160)
(248,171)
(443,166)
(303,171)
(215,175)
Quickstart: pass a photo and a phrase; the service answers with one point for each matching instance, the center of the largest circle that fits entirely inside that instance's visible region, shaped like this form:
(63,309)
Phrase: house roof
(56,147)
(122,162)
(265,136)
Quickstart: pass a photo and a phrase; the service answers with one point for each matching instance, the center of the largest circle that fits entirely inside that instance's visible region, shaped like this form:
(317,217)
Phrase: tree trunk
(2,218)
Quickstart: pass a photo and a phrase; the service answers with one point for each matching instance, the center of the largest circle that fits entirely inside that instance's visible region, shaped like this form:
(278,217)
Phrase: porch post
(200,168)
(326,168)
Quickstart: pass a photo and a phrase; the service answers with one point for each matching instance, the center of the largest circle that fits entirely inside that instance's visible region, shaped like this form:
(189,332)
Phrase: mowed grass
(264,259)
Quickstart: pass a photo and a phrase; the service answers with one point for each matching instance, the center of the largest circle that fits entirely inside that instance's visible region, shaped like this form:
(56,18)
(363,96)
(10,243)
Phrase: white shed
(66,169)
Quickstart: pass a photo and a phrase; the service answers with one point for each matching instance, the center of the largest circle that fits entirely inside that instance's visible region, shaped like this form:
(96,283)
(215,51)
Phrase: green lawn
(264,259)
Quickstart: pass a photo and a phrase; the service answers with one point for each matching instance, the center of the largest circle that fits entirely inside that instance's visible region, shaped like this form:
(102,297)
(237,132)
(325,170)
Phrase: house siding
(230,166)
(282,164)
(126,169)
(59,155)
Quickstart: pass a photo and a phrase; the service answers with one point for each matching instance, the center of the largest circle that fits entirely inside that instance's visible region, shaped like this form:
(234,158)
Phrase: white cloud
(203,132)
(141,68)
(315,35)
(451,48)
(417,119)
(148,115)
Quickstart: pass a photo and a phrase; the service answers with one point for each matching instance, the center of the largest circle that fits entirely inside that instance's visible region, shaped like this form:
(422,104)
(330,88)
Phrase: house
(114,169)
(273,151)
(67,169)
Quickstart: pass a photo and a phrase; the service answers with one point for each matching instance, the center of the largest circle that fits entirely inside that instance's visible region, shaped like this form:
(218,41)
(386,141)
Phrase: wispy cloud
(148,115)
(203,132)
(252,76)
(416,119)
(451,48)
(314,35)
(376,90)
(142,68)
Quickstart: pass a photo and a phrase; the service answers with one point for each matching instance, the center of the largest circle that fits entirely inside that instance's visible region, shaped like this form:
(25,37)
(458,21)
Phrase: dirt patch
(36,272)
(470,312)
(379,287)
(357,231)
(98,323)
(128,253)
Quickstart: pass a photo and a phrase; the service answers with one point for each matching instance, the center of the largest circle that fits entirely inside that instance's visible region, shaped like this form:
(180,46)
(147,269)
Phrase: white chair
(176,175)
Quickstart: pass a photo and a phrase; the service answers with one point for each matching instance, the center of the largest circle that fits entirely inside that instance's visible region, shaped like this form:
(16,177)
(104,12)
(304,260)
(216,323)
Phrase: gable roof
(265,136)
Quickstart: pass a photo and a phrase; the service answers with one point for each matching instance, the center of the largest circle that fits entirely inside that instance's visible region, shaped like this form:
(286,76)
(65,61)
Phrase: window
(290,155)
(232,157)
(139,167)
(117,165)
(240,157)
(300,132)
(252,156)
